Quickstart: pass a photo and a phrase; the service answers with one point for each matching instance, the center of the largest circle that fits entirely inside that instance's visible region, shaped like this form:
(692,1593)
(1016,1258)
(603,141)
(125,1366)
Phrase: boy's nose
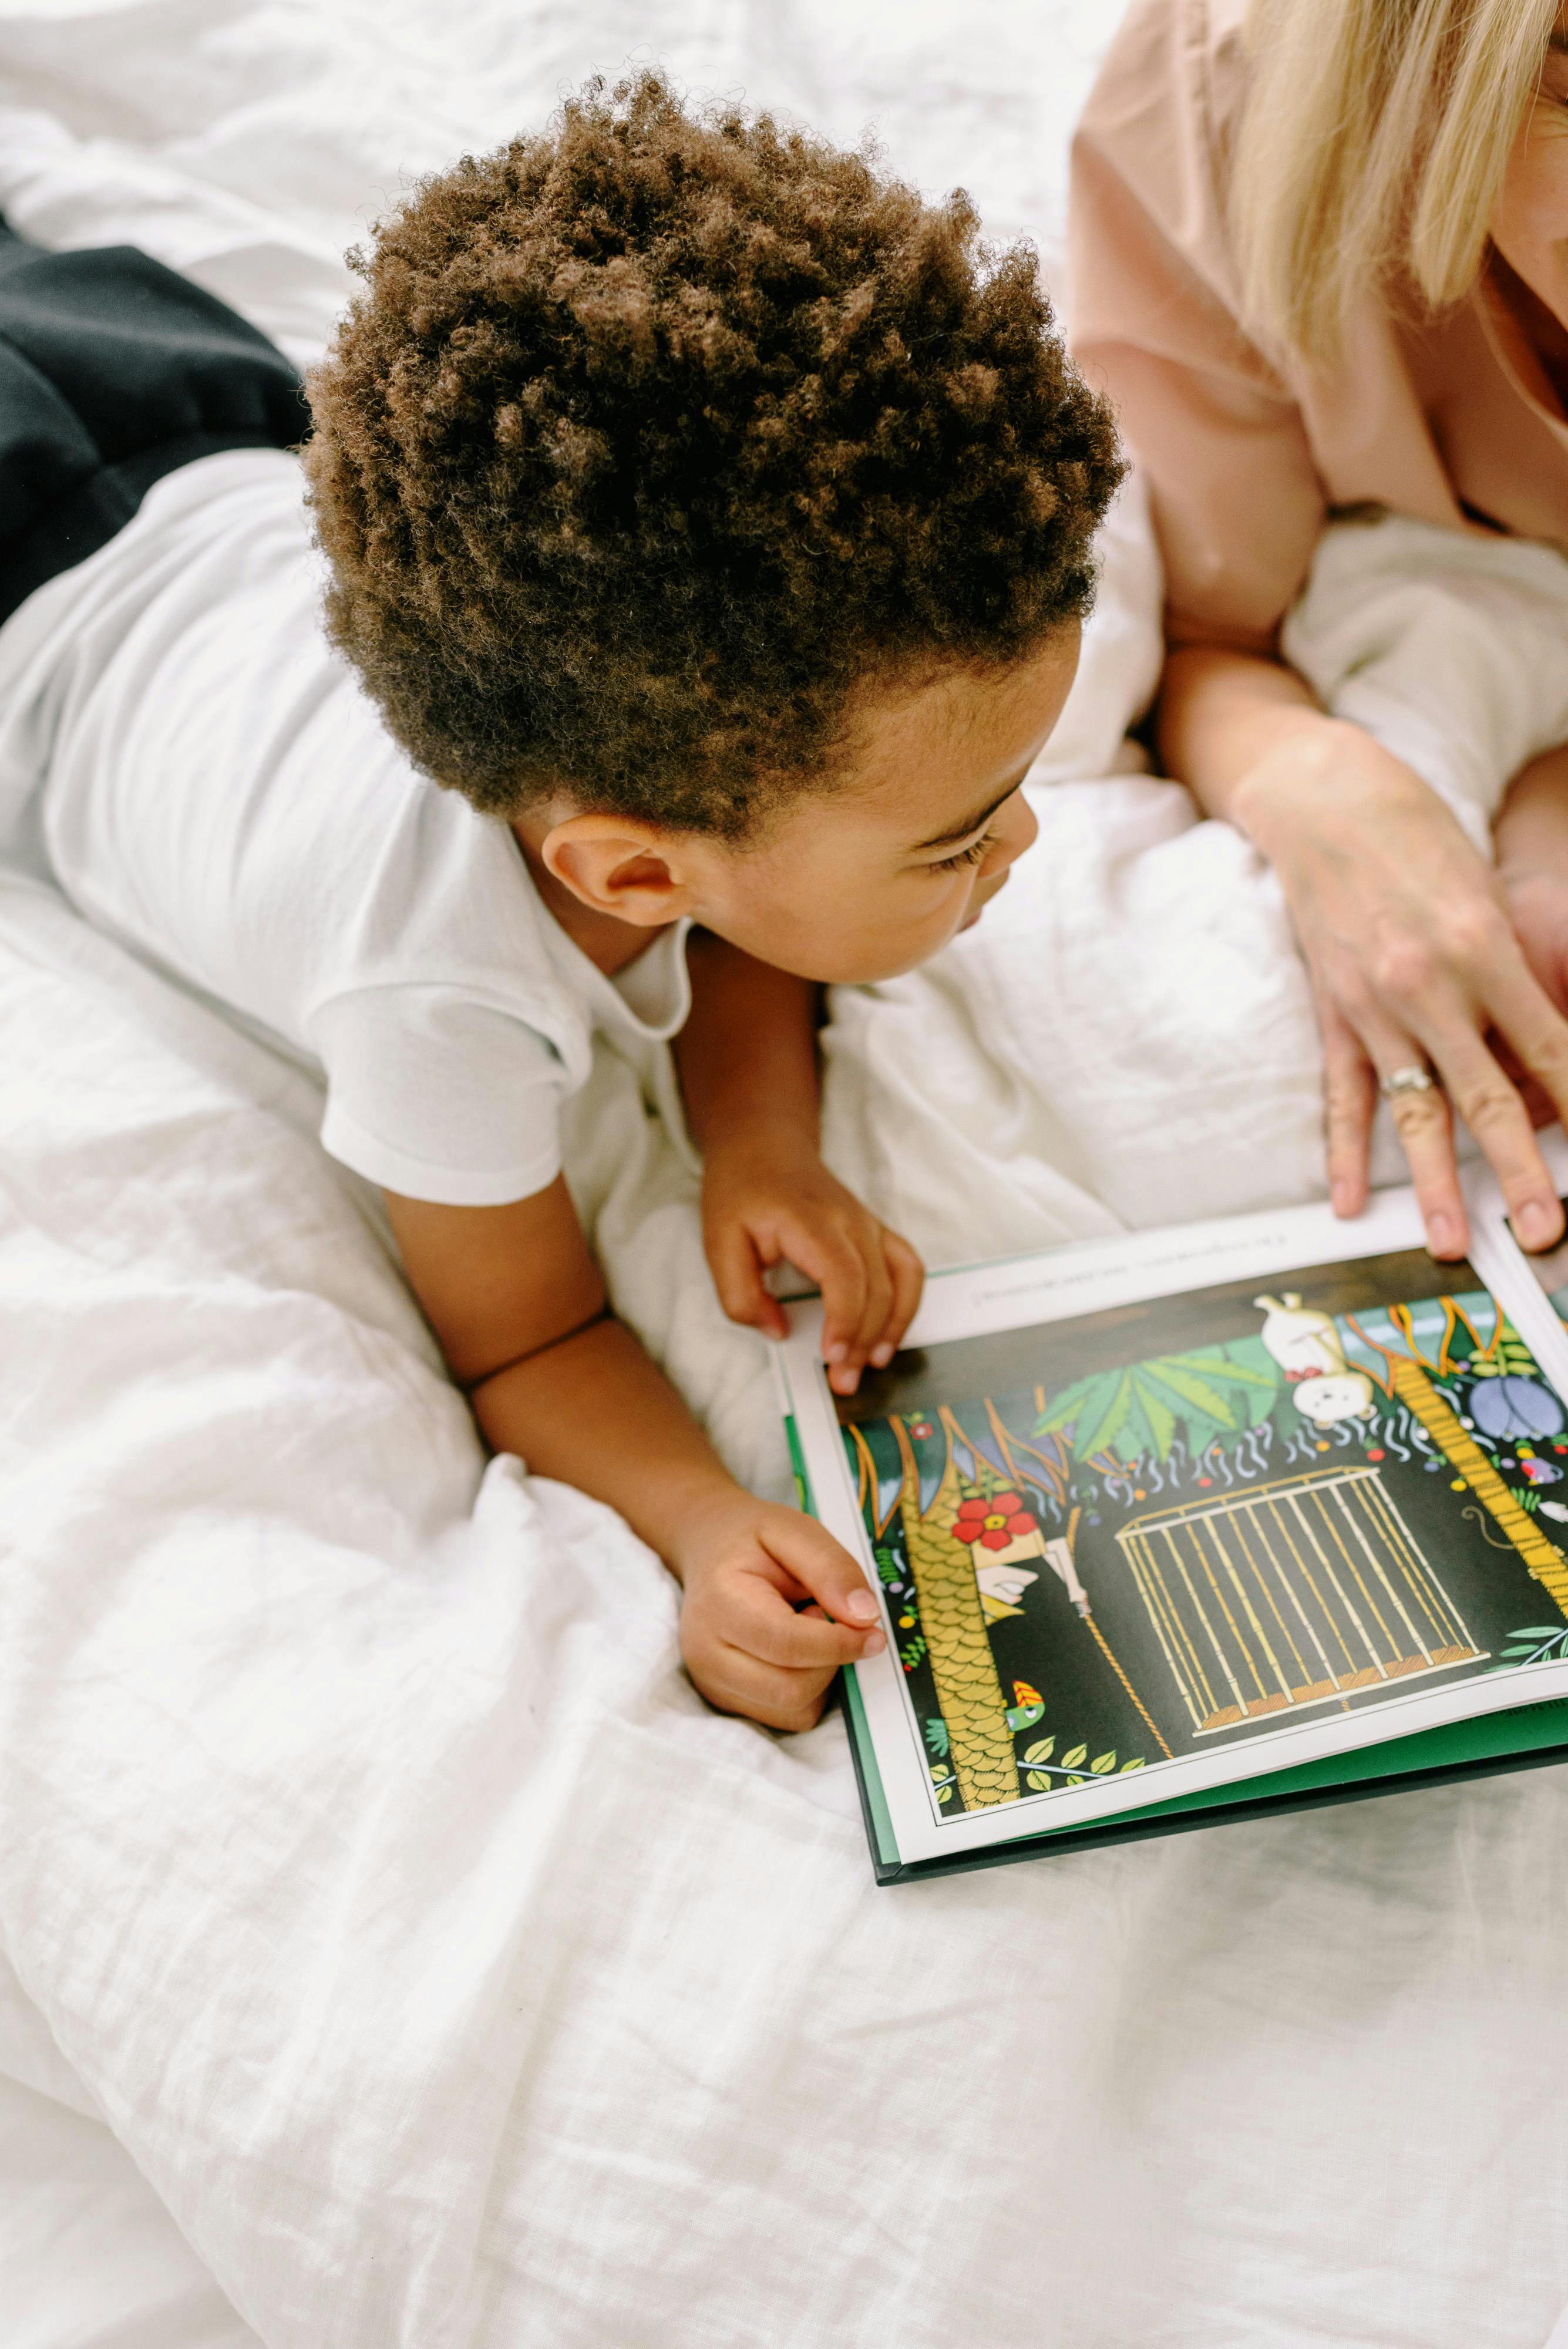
(1017,827)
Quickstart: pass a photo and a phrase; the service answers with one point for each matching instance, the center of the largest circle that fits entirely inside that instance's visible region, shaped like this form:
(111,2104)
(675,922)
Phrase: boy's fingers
(907,1275)
(839,1270)
(737,1277)
(820,1565)
(761,1621)
(876,1304)
(734,1682)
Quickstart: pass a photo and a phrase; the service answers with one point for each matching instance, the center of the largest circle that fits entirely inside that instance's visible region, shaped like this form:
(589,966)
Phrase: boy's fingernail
(1341,1198)
(881,1356)
(875,1643)
(1536,1224)
(844,1381)
(860,1606)
(1442,1234)
(836,1352)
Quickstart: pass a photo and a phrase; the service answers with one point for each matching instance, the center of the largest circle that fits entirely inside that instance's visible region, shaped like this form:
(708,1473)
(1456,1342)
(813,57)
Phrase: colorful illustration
(1206,1514)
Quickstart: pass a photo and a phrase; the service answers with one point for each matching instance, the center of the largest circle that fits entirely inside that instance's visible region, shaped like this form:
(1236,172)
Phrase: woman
(1320,260)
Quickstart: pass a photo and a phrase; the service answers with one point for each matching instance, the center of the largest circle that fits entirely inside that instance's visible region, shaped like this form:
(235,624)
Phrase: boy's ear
(630,871)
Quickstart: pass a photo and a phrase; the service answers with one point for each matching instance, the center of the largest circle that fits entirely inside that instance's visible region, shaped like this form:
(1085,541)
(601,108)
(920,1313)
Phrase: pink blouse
(1429,416)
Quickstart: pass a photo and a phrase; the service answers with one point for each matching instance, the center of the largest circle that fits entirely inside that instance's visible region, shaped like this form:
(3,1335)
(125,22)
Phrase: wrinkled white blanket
(450,1975)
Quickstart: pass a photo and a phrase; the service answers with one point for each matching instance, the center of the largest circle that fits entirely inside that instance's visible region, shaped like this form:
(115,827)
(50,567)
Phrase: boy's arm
(748,1063)
(518,1305)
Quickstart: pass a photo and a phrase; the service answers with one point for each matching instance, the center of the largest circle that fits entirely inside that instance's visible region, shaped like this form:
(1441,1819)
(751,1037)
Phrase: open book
(1193,1525)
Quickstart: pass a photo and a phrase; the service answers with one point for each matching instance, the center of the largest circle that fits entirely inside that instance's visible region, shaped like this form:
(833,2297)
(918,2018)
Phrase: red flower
(993,1523)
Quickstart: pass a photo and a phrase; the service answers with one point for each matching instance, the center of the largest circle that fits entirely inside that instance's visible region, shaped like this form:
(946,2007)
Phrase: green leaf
(1102,1429)
(1036,1784)
(1161,1421)
(1041,1750)
(1074,1781)
(1194,1390)
(1217,1366)
(1538,1631)
(1102,1762)
(1135,1764)
(1071,1761)
(936,1738)
(1072,1401)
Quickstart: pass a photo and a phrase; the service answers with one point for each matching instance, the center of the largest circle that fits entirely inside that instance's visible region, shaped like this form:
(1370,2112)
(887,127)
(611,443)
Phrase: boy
(715,525)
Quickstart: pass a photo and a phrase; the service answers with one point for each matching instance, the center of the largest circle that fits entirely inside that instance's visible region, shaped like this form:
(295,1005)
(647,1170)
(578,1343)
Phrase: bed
(393,1950)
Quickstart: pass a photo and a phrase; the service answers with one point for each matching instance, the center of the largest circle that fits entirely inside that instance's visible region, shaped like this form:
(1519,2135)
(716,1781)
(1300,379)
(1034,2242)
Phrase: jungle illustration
(1115,1540)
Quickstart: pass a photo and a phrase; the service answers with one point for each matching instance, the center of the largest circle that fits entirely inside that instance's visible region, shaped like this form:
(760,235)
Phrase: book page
(1164,1513)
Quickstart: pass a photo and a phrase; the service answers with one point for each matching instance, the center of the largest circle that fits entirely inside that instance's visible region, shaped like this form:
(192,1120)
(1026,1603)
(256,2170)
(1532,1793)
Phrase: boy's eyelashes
(972,854)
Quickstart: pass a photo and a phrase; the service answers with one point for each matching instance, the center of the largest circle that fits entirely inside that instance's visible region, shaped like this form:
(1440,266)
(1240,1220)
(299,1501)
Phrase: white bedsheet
(369,1874)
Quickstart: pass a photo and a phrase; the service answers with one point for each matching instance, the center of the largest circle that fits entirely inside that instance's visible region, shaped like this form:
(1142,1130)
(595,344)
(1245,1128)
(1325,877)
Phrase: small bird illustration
(1028,1708)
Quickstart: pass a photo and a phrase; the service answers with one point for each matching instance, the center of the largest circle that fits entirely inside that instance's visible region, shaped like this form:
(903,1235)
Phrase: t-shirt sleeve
(1238,502)
(436,1096)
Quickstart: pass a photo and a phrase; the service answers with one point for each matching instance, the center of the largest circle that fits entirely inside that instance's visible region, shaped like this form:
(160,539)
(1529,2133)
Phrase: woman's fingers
(1497,1116)
(1425,1133)
(1534,1032)
(1350,1101)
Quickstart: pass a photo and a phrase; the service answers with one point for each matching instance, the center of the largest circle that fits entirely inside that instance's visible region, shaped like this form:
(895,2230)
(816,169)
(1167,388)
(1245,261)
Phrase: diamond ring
(1412,1080)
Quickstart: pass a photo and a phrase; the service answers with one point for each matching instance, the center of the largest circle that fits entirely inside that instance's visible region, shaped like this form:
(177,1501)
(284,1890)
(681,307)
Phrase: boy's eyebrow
(962,831)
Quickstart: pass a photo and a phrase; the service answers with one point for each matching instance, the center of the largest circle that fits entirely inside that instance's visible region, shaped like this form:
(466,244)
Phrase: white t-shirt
(211,786)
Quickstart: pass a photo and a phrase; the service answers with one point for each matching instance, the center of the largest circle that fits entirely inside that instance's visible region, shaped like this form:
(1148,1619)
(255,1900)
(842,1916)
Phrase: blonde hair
(1371,151)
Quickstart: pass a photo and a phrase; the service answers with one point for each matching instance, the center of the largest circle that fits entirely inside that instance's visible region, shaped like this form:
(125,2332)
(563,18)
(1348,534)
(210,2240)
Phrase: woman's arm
(1407,936)
(1532,837)
(519,1308)
(748,1063)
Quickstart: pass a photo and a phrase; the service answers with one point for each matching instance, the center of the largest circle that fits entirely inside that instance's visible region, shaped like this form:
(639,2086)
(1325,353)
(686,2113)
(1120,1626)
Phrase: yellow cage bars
(1292,1594)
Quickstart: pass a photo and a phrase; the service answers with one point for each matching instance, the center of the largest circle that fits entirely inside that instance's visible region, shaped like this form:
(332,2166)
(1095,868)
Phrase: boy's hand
(766,1195)
(762,1583)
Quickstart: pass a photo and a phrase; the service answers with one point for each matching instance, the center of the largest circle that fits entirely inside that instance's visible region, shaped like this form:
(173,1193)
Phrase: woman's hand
(774,1606)
(1416,962)
(1531,840)
(766,1195)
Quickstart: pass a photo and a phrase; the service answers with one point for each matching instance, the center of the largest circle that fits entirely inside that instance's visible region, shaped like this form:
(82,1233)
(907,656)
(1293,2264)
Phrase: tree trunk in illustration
(968,1690)
(1545,1560)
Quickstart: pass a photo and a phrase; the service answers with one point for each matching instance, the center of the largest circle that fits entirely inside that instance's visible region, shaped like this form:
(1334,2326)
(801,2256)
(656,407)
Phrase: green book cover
(1245,1520)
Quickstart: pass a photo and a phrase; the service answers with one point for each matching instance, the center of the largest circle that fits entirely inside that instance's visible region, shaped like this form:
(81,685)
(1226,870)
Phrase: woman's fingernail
(842,1382)
(836,1352)
(1342,1198)
(881,1356)
(860,1606)
(1442,1234)
(1536,1224)
(875,1643)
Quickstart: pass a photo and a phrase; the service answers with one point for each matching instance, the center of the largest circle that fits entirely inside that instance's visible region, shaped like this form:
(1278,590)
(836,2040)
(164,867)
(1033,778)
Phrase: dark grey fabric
(113,371)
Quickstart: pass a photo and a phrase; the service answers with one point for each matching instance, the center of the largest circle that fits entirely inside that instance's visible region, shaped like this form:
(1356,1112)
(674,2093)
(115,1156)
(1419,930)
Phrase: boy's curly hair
(652,439)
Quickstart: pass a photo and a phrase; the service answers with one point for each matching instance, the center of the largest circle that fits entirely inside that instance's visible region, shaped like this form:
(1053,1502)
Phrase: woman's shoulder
(1178,68)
